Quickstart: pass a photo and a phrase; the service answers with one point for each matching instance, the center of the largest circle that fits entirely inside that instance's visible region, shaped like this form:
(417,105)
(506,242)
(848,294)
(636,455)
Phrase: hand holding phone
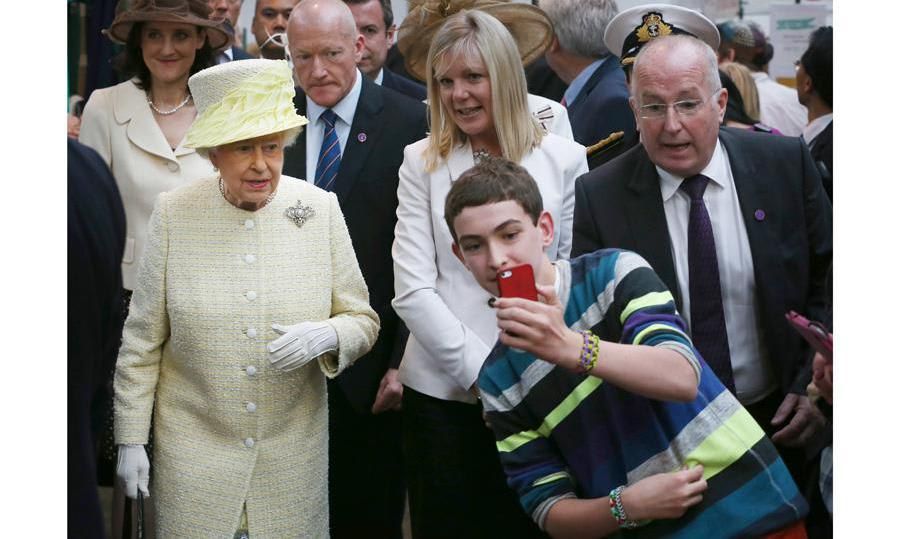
(517,282)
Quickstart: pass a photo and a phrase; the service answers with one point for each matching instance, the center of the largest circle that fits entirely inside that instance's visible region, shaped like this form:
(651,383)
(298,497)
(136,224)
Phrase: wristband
(589,352)
(617,509)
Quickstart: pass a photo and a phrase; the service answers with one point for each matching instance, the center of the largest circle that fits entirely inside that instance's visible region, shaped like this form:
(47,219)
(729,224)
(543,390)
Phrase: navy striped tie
(706,307)
(329,157)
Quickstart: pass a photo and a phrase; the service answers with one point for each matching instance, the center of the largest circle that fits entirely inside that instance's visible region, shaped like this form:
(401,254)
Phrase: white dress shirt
(753,376)
(345,110)
(779,105)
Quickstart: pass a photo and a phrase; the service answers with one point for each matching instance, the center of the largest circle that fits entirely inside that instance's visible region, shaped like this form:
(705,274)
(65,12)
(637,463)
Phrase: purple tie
(706,309)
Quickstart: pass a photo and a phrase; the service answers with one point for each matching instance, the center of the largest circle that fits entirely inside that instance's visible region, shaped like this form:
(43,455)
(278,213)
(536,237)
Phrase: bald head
(662,53)
(331,14)
(325,48)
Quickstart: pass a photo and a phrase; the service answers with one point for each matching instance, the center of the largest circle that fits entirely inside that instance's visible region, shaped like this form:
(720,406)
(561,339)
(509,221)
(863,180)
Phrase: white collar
(815,127)
(715,170)
(345,108)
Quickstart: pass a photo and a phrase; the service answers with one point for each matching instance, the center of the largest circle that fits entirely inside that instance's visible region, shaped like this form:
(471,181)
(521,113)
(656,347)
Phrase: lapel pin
(361,137)
(759,215)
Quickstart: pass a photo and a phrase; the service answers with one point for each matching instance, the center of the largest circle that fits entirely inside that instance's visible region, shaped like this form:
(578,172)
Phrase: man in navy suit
(374,20)
(597,92)
(765,214)
(371,127)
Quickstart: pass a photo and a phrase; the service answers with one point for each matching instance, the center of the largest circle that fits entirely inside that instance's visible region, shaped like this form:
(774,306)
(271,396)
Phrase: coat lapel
(646,220)
(366,129)
(131,108)
(752,192)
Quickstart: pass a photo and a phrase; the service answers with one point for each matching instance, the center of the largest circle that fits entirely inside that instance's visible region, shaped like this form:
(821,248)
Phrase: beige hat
(530,27)
(241,100)
(628,31)
(195,12)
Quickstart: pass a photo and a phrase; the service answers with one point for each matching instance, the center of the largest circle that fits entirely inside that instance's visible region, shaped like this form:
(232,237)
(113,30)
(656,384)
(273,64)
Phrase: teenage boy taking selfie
(605,415)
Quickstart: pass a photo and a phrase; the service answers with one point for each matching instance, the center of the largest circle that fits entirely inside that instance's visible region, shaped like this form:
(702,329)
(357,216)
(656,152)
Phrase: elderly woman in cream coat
(248,296)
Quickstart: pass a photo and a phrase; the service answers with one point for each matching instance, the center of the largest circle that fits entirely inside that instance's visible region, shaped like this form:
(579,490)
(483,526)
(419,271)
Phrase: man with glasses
(737,225)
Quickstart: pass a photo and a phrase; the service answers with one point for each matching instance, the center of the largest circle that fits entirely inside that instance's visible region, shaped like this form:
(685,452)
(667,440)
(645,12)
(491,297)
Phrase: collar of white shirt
(345,108)
(379,80)
(814,127)
(715,170)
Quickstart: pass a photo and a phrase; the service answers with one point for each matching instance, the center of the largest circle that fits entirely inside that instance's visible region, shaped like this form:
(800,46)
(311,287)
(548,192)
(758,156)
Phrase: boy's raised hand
(539,328)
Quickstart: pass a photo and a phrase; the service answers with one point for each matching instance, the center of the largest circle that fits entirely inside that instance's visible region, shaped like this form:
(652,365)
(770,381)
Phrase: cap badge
(653,26)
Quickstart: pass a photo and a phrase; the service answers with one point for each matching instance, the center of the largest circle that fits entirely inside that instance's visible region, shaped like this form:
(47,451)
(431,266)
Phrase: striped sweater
(563,435)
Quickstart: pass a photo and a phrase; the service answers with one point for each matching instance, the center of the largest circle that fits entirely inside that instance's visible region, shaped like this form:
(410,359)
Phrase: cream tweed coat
(230,429)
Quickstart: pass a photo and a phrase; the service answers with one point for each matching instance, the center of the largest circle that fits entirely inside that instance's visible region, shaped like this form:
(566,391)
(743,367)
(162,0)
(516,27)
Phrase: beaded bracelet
(617,509)
(589,352)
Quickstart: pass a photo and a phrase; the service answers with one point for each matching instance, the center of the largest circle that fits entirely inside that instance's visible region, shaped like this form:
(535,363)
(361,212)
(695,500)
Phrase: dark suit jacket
(601,108)
(822,152)
(366,188)
(620,205)
(96,231)
(404,86)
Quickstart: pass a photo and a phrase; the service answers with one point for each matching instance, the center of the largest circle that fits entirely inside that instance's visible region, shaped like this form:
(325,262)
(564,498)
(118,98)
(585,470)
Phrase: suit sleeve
(352,317)
(417,301)
(95,125)
(585,234)
(146,331)
(818,215)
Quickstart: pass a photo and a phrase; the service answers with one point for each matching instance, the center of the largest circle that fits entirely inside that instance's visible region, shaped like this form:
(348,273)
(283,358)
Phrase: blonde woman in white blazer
(248,296)
(479,106)
(138,126)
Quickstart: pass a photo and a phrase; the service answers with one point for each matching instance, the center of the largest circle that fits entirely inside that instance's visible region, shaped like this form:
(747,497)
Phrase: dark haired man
(814,84)
(374,20)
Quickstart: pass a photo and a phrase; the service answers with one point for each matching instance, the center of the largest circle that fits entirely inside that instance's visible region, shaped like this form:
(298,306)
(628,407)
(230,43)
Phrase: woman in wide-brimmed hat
(478,106)
(138,126)
(247,297)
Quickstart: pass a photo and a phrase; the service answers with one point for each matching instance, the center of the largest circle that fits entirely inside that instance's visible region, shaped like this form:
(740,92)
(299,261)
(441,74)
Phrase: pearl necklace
(268,199)
(167,112)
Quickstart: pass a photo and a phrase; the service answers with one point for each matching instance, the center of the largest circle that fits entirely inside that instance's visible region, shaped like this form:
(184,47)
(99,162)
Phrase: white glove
(133,469)
(300,343)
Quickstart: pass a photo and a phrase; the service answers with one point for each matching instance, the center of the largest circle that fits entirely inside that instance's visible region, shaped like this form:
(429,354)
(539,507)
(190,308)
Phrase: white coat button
(251,333)
(251,295)
(173,166)
(251,406)
(251,370)
(249,442)
(249,223)
(249,259)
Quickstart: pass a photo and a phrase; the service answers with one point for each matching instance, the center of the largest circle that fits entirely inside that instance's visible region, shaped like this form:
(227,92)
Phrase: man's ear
(458,252)
(547,227)
(722,104)
(554,45)
(390,33)
(358,47)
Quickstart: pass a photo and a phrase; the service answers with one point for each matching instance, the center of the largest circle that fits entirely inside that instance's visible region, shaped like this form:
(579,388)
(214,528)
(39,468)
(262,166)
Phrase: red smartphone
(517,282)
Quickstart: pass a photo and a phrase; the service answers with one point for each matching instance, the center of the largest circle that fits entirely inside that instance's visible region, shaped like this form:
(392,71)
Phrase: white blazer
(452,328)
(118,123)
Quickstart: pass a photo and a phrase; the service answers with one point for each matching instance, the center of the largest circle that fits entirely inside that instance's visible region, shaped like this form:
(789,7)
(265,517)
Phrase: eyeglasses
(687,107)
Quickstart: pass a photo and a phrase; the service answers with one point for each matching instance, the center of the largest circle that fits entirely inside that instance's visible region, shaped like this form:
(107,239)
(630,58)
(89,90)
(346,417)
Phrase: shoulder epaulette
(604,143)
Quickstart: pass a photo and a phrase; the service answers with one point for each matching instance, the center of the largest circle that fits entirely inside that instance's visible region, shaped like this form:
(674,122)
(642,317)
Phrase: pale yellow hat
(241,100)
